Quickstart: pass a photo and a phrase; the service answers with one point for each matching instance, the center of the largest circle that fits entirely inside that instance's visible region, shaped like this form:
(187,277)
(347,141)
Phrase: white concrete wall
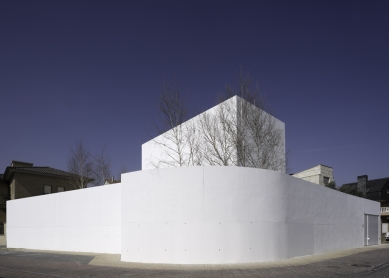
(153,152)
(86,220)
(193,215)
(214,215)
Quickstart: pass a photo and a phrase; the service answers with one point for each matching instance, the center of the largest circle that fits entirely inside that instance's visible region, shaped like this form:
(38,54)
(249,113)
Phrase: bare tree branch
(177,140)
(80,163)
(236,132)
(241,133)
(122,170)
(101,167)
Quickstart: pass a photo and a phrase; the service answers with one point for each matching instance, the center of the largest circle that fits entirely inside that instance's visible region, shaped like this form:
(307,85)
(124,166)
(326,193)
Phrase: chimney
(15,163)
(362,184)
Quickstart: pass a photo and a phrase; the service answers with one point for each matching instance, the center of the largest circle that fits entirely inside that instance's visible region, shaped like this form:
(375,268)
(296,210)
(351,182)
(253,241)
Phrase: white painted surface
(214,215)
(153,152)
(193,215)
(86,220)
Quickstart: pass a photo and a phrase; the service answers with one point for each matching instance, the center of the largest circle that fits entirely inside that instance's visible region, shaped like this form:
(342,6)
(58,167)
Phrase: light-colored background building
(319,174)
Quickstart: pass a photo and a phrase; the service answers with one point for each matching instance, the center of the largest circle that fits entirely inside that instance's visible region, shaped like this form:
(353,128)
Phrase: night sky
(92,71)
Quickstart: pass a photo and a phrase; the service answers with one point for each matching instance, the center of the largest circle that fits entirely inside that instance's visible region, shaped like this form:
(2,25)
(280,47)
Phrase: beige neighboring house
(23,179)
(319,174)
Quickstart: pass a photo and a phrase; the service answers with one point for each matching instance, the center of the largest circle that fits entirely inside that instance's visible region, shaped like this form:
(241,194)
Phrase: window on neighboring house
(60,189)
(326,180)
(47,189)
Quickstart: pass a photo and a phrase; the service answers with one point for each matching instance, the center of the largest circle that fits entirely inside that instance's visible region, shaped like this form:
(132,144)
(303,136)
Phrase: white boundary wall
(216,215)
(193,215)
(86,220)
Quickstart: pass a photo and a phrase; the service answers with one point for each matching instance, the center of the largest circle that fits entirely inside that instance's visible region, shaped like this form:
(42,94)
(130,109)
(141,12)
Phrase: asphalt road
(362,262)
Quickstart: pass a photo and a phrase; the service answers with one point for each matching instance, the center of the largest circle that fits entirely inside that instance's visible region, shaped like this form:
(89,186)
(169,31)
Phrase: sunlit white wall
(214,215)
(153,150)
(86,220)
(193,215)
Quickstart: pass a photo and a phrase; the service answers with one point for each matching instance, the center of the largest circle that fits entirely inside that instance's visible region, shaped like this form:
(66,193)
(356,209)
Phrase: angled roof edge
(40,170)
(235,98)
(372,185)
(312,168)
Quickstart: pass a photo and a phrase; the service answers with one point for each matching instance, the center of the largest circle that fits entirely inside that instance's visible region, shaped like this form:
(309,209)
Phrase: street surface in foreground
(361,262)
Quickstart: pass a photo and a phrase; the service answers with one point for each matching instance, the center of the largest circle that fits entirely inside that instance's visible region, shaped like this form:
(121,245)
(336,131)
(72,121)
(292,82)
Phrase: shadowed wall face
(4,196)
(27,185)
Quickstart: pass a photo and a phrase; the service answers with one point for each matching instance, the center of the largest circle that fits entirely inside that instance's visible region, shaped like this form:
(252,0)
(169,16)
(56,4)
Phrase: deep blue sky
(91,71)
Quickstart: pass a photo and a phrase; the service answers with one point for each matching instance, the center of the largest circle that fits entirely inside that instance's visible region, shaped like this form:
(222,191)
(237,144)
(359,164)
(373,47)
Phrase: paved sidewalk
(360,262)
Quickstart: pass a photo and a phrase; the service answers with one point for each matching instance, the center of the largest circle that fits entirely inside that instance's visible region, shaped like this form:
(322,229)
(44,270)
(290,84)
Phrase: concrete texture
(86,220)
(218,215)
(316,174)
(194,215)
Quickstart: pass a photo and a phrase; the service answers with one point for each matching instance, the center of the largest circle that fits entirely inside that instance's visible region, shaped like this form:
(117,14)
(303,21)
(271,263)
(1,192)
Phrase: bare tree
(236,132)
(217,134)
(123,170)
(177,141)
(240,132)
(258,141)
(101,167)
(80,163)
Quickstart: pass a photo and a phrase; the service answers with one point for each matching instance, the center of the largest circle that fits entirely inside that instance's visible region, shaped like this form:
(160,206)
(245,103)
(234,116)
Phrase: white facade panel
(86,220)
(194,215)
(154,152)
(215,215)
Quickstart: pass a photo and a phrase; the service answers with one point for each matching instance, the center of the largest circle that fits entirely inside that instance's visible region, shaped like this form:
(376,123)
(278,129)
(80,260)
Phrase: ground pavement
(360,262)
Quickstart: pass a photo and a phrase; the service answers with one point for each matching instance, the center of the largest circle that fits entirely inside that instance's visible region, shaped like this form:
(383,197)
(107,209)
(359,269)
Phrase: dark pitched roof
(372,185)
(45,170)
(349,185)
(376,185)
